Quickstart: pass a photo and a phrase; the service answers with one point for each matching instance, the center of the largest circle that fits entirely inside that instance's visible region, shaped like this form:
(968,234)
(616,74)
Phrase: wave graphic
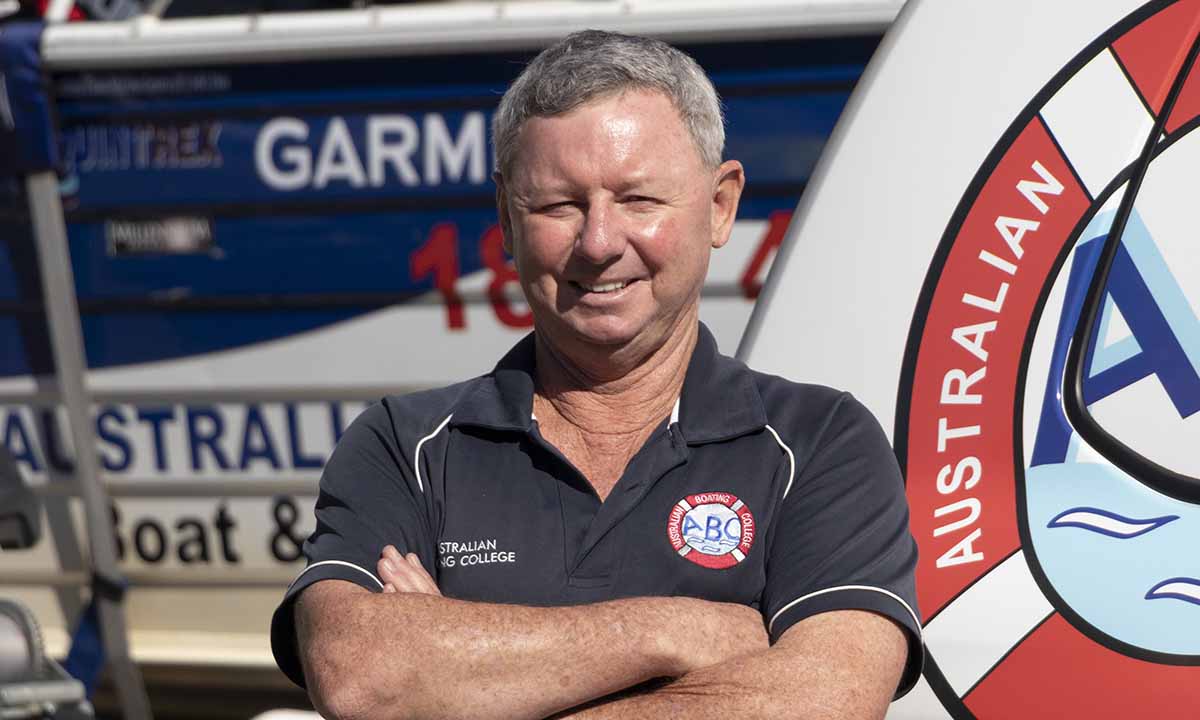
(1108,523)
(1178,588)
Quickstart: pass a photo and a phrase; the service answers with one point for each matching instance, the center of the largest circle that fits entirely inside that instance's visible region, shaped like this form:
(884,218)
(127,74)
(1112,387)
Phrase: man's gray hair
(592,64)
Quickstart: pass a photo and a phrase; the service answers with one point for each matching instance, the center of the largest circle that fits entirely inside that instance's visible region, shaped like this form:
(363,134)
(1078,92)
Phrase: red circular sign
(1003,639)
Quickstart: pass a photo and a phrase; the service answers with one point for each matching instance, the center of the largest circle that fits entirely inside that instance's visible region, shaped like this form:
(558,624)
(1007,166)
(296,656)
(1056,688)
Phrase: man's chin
(600,337)
(609,338)
(612,334)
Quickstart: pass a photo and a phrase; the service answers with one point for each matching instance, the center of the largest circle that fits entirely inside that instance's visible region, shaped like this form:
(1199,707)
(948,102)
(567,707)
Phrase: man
(616,502)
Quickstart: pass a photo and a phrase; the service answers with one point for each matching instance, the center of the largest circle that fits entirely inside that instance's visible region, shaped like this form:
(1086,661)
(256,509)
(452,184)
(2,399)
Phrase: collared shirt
(781,496)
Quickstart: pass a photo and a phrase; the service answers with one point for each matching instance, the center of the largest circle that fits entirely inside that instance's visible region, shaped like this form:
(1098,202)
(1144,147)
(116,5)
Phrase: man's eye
(556,207)
(639,200)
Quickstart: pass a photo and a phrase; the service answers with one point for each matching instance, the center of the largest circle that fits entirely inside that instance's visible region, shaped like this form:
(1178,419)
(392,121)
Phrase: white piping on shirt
(5,108)
(871,588)
(417,452)
(791,460)
(335,562)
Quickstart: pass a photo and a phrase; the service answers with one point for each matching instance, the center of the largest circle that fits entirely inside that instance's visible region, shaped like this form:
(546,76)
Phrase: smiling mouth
(601,287)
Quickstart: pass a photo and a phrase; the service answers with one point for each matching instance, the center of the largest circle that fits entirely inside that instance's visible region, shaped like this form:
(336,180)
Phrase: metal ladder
(70,364)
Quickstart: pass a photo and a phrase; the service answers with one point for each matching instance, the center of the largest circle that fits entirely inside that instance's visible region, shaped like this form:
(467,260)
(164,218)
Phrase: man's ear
(728,182)
(502,211)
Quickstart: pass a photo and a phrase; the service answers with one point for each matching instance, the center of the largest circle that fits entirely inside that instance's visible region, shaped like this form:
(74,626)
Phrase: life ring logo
(1056,502)
(714,529)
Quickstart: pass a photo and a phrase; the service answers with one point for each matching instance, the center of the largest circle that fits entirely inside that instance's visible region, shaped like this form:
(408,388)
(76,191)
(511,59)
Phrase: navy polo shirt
(760,491)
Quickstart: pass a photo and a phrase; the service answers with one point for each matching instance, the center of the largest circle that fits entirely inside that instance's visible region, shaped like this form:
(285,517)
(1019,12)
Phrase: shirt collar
(502,399)
(719,401)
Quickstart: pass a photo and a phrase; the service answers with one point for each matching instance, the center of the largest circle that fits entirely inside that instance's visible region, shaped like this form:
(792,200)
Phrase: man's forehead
(636,101)
(632,130)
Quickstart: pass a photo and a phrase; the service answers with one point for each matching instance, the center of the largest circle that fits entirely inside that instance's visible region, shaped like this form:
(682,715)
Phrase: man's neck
(611,406)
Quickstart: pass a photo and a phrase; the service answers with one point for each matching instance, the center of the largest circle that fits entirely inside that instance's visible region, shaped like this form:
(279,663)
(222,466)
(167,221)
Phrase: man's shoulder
(805,410)
(413,415)
(787,402)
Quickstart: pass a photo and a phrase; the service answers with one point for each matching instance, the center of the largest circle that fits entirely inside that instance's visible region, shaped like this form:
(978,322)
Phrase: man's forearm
(418,655)
(742,687)
(843,665)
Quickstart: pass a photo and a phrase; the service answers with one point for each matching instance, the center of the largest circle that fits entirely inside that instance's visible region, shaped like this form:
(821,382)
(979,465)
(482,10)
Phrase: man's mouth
(600,287)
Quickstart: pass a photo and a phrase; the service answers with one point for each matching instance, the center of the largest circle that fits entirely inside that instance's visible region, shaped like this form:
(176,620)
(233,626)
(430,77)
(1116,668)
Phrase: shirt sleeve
(841,540)
(368,498)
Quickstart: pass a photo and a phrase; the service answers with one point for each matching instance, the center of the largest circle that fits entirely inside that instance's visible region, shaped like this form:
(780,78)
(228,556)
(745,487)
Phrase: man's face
(610,215)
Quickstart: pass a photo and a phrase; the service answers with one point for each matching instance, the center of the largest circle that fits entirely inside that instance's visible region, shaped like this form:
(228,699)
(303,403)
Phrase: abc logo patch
(714,529)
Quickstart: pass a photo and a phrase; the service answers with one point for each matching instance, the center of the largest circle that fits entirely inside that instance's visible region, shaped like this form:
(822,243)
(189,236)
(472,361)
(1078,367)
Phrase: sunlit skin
(615,191)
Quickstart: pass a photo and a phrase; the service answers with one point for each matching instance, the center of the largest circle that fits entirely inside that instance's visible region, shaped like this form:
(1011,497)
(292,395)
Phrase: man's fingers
(423,577)
(398,574)
(391,553)
(405,573)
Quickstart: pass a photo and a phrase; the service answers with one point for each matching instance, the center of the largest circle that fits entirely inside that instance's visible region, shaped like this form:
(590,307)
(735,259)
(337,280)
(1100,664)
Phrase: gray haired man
(618,521)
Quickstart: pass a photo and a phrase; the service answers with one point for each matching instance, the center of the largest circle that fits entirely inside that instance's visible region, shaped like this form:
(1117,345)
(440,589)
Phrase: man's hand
(404,573)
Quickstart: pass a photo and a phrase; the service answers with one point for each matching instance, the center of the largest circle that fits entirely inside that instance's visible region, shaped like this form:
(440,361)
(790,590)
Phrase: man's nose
(601,238)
